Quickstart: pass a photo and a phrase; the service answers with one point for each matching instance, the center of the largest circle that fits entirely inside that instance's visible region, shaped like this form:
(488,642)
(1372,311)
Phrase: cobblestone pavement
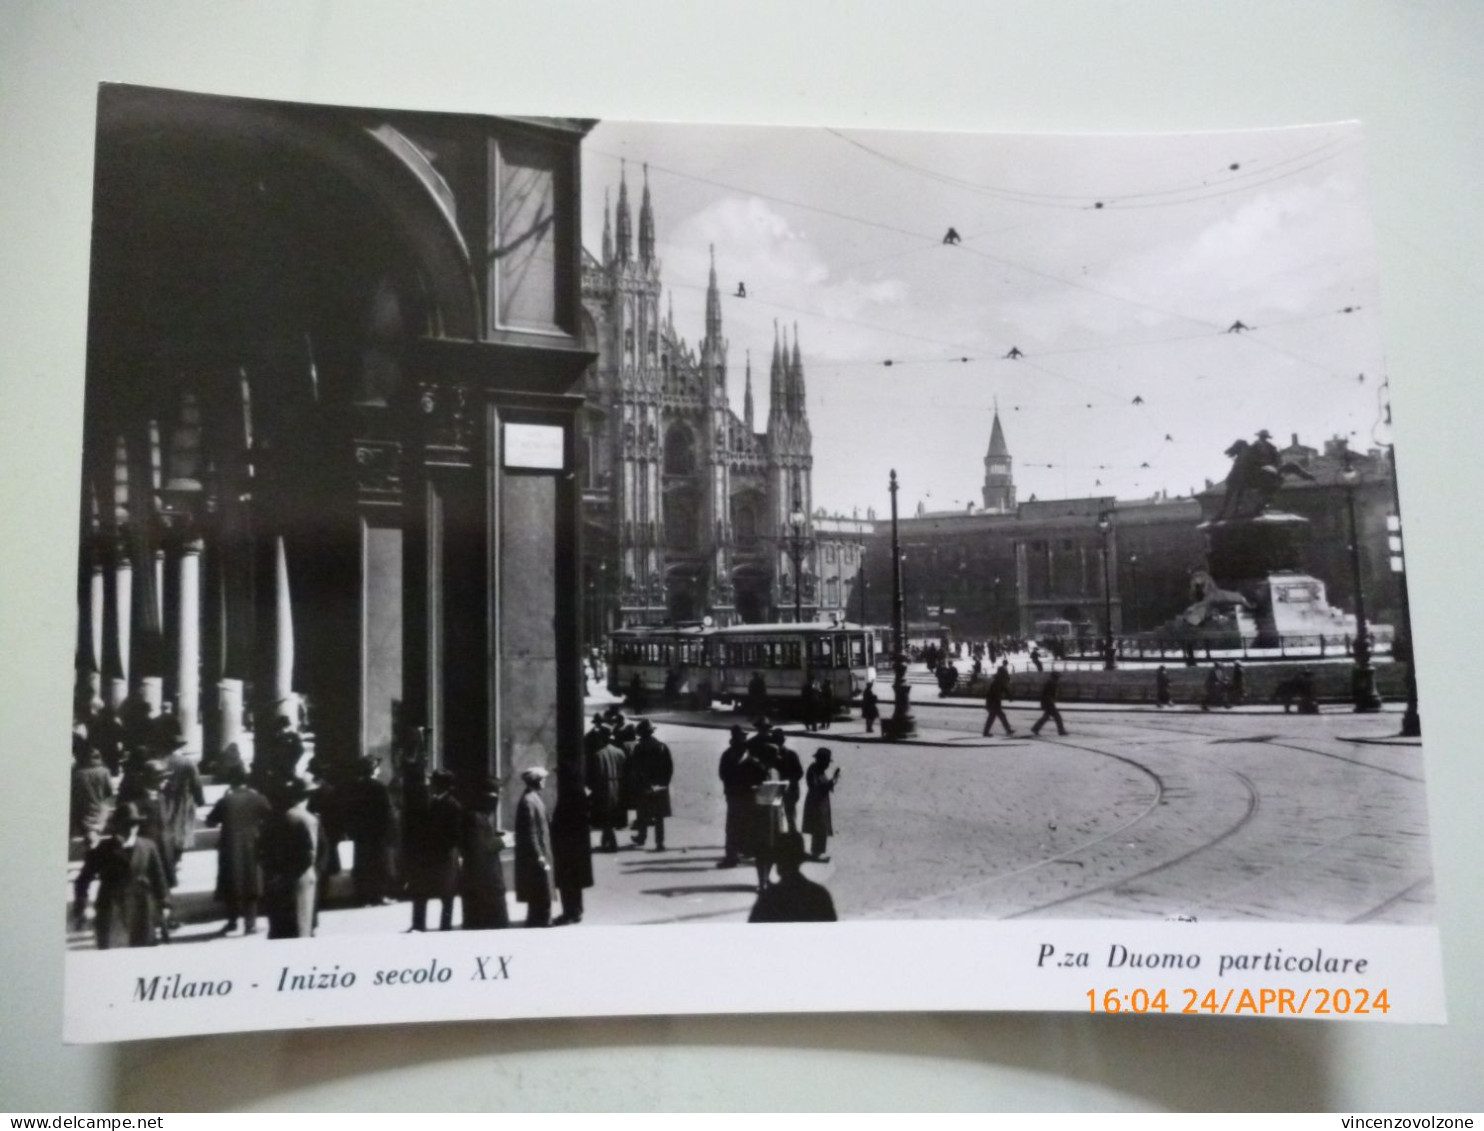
(1133,814)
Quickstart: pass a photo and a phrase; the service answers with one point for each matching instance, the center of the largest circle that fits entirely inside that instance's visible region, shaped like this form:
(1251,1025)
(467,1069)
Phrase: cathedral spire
(625,220)
(776,408)
(713,305)
(646,224)
(796,373)
(607,232)
(747,396)
(999,479)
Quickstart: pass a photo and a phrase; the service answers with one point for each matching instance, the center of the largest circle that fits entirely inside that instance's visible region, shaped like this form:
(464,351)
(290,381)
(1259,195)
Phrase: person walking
(481,873)
(652,768)
(810,703)
(92,795)
(994,700)
(826,703)
(760,773)
(819,824)
(734,789)
(133,896)
(870,708)
(1215,689)
(1162,697)
(605,781)
(533,859)
(433,866)
(1237,691)
(1049,711)
(240,814)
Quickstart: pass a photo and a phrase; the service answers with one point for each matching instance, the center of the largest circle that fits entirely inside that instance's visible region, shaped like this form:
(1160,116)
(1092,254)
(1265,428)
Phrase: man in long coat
(181,793)
(240,814)
(533,857)
(651,768)
(819,822)
(433,857)
(92,795)
(994,701)
(737,794)
(1049,709)
(371,824)
(481,874)
(605,781)
(791,770)
(133,896)
(288,848)
(571,845)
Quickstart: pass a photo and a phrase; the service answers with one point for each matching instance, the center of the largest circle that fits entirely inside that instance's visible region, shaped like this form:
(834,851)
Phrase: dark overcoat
(288,849)
(92,799)
(132,891)
(605,778)
(653,768)
(533,862)
(180,795)
(240,814)
(818,814)
(571,845)
(482,877)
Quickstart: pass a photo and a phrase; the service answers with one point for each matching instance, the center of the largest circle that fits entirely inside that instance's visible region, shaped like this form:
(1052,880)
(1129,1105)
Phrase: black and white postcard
(559,567)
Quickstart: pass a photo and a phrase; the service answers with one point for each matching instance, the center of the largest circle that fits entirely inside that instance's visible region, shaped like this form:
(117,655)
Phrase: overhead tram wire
(1086,201)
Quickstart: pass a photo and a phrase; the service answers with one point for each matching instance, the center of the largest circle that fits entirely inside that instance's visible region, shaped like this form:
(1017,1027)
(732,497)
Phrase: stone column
(188,642)
(122,625)
(281,693)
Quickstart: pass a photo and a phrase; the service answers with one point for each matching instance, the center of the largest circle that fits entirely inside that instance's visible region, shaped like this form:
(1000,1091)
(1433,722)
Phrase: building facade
(689,510)
(329,429)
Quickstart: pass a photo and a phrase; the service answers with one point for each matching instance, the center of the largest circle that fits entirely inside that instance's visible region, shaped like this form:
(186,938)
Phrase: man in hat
(533,857)
(605,782)
(240,814)
(819,824)
(571,844)
(133,895)
(289,847)
(1049,711)
(792,898)
(433,869)
(737,793)
(181,793)
(651,767)
(92,793)
(481,875)
(1162,696)
(994,700)
(791,770)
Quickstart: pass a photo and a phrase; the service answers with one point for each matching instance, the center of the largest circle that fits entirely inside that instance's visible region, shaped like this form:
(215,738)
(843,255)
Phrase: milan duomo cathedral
(688,511)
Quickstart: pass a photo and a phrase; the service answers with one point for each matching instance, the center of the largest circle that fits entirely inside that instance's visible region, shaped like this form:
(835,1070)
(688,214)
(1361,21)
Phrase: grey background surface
(1414,72)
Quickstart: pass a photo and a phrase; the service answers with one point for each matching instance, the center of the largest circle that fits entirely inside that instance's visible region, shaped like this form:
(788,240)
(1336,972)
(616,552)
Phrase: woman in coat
(240,814)
(819,823)
(133,896)
(482,876)
(533,862)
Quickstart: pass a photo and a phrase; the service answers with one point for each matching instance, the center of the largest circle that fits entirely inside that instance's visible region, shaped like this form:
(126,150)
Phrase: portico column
(188,642)
(122,623)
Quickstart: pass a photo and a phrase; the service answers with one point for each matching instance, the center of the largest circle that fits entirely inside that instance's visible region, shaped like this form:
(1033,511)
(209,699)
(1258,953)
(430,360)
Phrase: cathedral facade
(688,511)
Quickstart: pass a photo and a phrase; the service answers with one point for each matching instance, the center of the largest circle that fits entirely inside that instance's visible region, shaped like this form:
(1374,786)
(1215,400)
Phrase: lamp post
(995,586)
(1105,527)
(1411,718)
(1133,588)
(863,586)
(901,724)
(1363,675)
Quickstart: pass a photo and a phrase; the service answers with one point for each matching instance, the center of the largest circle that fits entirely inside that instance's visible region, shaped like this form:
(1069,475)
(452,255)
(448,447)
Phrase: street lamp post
(1133,589)
(1105,527)
(901,724)
(1411,718)
(1363,675)
(863,586)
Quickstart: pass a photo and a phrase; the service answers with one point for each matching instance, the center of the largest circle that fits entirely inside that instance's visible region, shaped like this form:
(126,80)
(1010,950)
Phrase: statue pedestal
(1250,548)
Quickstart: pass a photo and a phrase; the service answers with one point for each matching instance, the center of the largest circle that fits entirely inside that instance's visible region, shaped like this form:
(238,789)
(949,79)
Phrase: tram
(784,655)
(666,663)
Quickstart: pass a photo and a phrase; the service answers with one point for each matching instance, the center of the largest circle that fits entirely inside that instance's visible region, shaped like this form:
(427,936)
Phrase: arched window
(680,451)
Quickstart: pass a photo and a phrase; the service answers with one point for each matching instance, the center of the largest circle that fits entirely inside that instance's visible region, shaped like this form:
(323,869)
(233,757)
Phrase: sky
(1115,265)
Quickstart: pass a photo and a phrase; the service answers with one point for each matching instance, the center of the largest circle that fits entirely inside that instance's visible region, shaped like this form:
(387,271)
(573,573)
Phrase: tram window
(841,653)
(857,651)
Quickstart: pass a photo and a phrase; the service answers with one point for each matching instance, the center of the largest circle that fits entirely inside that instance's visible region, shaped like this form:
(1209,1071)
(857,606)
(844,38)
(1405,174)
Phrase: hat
(1264,434)
(739,732)
(128,815)
(534,776)
(763,724)
(441,778)
(823,754)
(645,727)
(777,735)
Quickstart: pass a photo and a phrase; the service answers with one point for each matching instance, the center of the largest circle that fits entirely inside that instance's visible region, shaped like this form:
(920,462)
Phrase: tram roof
(784,628)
